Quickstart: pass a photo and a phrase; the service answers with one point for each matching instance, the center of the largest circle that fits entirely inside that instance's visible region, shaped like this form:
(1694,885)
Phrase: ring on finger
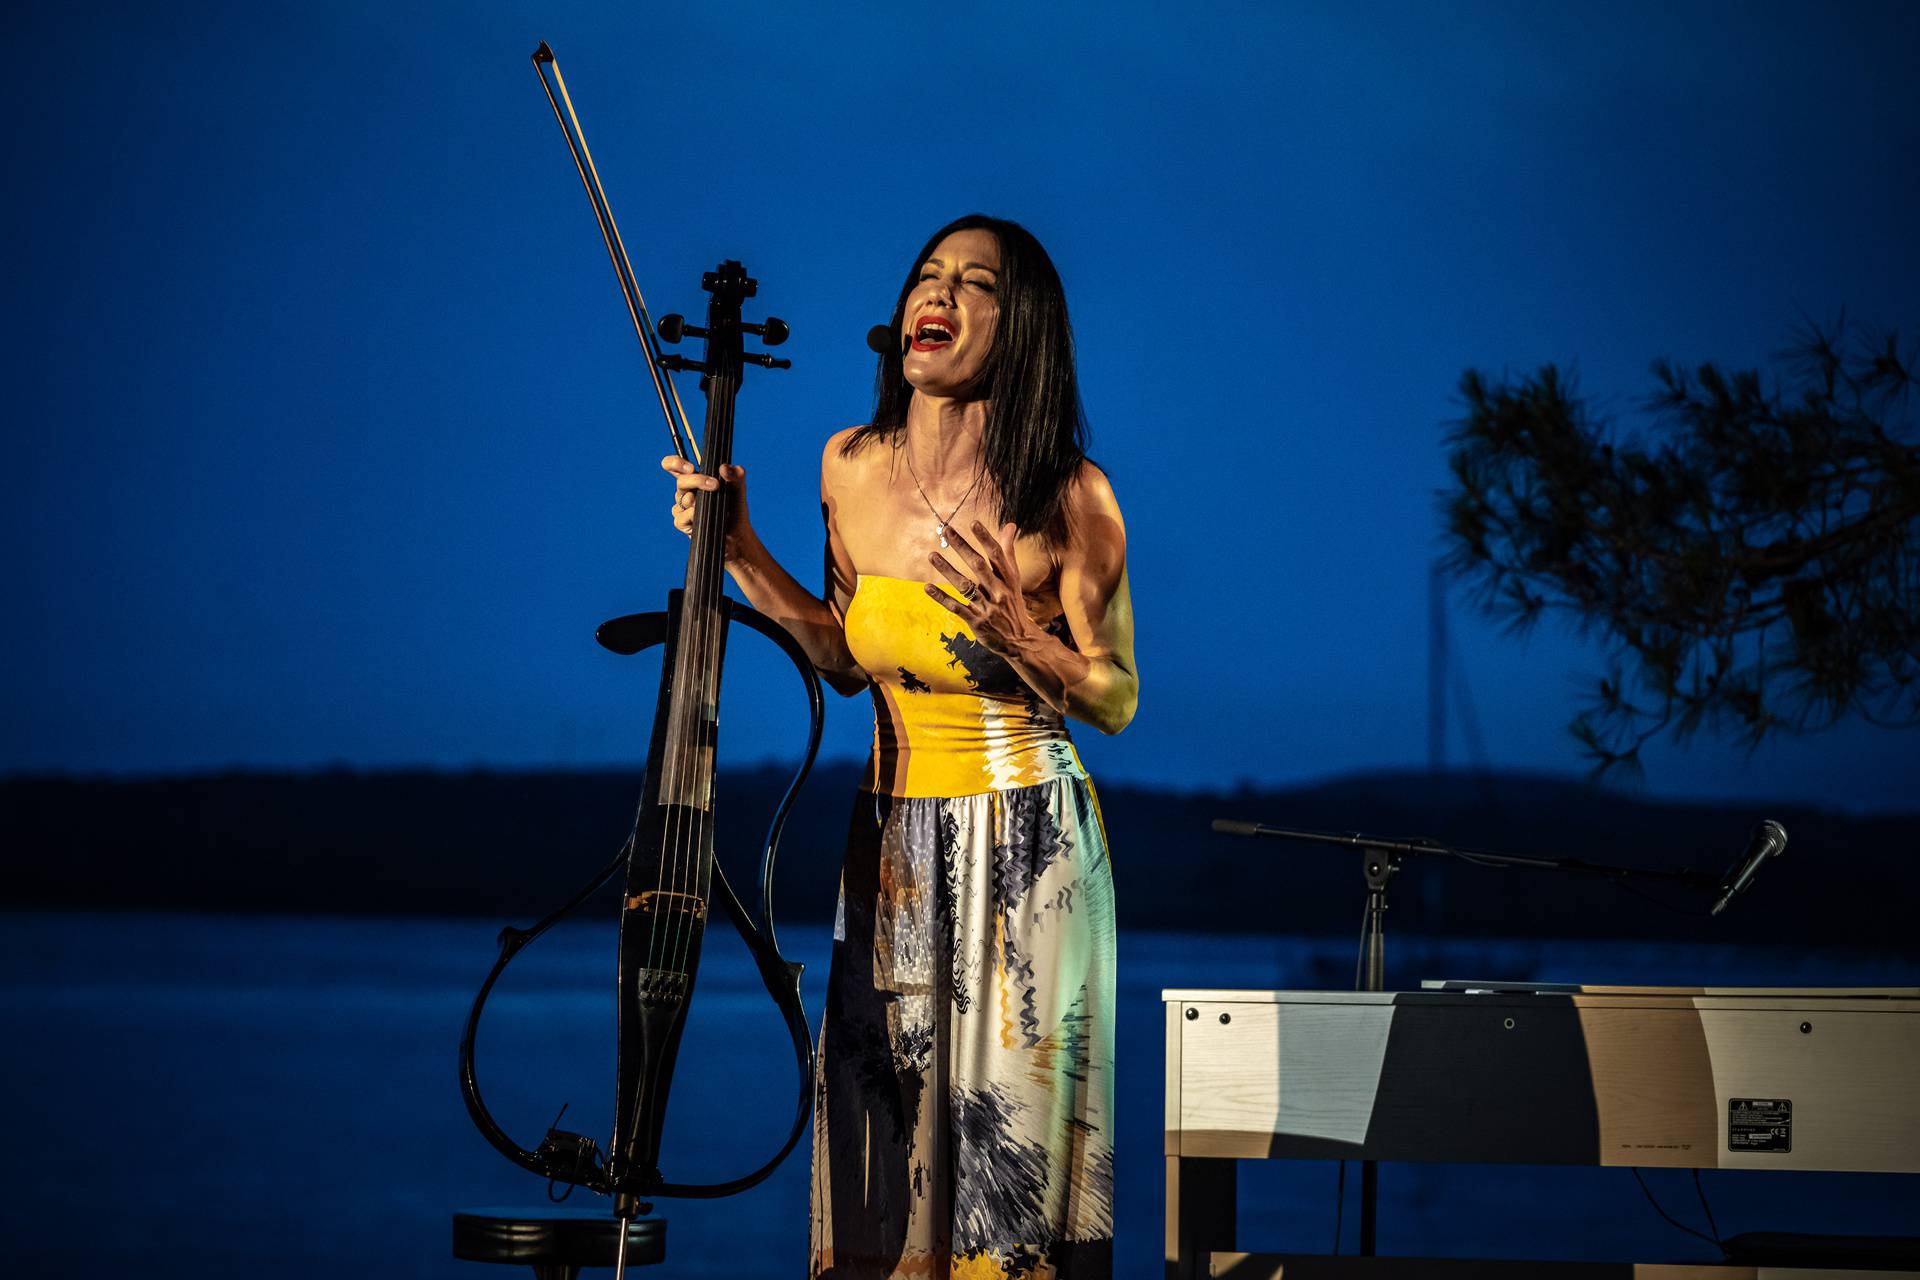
(971,593)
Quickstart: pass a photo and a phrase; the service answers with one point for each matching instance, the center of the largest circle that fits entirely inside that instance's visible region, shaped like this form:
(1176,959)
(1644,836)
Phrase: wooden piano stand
(1635,1076)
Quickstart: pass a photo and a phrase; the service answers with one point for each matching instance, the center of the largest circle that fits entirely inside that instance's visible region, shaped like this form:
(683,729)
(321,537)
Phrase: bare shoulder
(1095,531)
(837,443)
(841,469)
(1090,493)
(833,459)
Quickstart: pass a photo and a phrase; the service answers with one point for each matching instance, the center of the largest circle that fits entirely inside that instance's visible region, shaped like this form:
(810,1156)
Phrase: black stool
(554,1240)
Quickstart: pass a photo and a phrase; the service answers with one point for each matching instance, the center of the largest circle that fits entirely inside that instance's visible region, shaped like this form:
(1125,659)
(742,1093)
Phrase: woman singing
(976,583)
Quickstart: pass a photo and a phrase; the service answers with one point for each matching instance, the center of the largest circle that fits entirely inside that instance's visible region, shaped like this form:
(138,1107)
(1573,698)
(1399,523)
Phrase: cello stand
(554,1240)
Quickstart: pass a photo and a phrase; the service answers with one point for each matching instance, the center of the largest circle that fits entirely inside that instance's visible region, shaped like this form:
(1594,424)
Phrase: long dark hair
(1036,433)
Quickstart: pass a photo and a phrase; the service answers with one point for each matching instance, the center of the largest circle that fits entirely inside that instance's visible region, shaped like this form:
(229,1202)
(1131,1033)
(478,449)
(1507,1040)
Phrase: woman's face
(951,314)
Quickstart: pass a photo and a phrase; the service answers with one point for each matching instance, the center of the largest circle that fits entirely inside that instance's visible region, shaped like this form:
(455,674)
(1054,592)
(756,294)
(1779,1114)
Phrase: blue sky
(331,443)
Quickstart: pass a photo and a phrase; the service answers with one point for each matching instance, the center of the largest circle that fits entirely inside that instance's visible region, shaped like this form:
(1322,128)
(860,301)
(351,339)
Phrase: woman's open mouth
(930,333)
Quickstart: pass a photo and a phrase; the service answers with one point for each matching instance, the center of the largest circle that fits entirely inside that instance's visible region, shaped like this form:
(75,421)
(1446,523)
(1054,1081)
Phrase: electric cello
(671,878)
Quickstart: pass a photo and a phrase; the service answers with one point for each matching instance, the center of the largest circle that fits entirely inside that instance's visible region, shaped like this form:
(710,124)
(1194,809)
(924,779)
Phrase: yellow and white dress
(963,1125)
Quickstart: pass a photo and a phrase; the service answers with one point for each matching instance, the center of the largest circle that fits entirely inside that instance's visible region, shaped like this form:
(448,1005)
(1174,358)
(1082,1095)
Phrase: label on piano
(1759,1124)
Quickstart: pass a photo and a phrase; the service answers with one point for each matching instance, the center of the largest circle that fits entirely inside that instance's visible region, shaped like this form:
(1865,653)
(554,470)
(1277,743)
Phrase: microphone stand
(1379,860)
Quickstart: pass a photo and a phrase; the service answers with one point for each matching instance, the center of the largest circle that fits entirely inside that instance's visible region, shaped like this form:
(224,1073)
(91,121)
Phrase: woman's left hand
(992,602)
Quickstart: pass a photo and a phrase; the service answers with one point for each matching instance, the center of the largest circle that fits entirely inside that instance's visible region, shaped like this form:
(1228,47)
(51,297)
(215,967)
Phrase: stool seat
(555,1240)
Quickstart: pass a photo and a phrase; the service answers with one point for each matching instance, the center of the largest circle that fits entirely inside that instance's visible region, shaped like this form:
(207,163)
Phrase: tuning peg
(679,363)
(773,332)
(673,327)
(766,361)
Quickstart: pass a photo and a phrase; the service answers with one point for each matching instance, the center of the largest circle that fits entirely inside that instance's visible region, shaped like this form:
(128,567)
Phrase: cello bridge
(660,903)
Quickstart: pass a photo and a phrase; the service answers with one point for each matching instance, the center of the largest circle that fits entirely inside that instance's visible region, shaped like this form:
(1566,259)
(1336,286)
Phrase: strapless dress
(950,717)
(963,1125)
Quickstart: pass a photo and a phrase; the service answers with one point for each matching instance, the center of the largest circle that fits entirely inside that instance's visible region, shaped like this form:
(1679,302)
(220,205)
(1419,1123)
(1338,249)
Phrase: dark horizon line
(1625,788)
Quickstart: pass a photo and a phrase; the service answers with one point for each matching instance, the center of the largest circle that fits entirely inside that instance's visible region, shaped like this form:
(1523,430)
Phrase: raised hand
(687,479)
(991,602)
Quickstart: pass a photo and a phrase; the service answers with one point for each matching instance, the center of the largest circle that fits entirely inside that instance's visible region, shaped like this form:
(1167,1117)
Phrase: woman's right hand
(687,479)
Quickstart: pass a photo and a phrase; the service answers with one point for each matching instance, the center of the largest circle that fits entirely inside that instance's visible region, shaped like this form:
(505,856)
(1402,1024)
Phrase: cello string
(699,855)
(664,785)
(684,746)
(702,580)
(675,764)
(698,608)
(676,756)
(716,571)
(657,944)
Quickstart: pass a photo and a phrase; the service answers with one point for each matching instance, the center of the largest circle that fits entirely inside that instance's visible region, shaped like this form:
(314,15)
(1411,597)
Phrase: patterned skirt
(963,1125)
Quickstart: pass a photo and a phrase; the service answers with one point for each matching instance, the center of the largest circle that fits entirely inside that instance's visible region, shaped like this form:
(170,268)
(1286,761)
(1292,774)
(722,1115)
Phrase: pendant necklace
(939,524)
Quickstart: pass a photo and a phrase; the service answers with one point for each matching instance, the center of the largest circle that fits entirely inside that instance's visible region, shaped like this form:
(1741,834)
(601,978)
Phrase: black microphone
(880,339)
(1768,841)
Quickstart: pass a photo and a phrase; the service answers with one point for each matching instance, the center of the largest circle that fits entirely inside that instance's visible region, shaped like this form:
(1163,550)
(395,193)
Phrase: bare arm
(818,628)
(1094,679)
(815,623)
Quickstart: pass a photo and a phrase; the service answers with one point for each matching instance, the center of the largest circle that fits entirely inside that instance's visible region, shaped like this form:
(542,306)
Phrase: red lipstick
(921,325)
